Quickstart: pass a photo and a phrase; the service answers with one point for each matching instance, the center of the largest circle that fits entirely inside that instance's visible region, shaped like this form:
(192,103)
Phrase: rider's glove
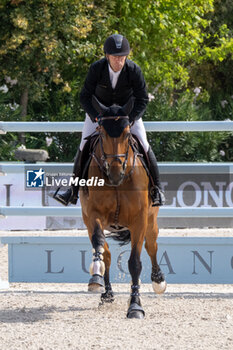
(98,119)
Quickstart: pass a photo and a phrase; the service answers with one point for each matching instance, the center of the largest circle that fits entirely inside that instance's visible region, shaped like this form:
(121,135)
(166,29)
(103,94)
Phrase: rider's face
(116,62)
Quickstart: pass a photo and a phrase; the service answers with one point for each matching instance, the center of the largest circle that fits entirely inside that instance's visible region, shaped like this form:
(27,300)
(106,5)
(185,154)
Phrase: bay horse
(123,202)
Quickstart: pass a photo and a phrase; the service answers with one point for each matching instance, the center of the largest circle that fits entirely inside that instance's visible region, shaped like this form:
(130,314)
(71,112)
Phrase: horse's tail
(123,237)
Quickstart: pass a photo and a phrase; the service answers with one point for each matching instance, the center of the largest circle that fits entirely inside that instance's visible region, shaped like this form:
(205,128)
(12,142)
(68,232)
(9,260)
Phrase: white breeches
(137,129)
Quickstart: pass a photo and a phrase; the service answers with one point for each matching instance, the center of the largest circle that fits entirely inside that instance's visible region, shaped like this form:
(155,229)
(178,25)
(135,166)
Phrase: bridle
(102,161)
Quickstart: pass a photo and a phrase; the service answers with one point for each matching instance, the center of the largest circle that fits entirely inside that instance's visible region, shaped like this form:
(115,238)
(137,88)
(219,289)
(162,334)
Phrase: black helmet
(116,45)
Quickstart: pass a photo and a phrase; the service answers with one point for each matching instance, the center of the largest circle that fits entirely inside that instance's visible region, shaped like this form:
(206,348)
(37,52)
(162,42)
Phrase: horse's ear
(99,107)
(127,108)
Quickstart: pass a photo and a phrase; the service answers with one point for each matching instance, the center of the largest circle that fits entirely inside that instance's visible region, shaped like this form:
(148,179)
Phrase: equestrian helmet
(116,45)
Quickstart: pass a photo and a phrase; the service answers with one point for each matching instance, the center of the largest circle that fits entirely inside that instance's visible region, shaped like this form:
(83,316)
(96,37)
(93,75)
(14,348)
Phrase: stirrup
(157,196)
(66,197)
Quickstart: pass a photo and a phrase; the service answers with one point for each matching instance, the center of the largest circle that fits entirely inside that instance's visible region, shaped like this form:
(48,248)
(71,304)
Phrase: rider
(113,80)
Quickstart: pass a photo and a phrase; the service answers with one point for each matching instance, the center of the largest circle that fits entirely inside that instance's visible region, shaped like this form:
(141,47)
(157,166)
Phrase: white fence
(170,126)
(198,263)
(188,212)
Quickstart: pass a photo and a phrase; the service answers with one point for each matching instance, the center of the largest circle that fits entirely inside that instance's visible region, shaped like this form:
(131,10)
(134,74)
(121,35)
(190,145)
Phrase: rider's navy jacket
(130,83)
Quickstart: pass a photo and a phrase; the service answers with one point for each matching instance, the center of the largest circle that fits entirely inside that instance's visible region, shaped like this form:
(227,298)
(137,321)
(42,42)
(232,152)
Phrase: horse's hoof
(96,284)
(95,288)
(107,297)
(135,311)
(159,288)
(136,314)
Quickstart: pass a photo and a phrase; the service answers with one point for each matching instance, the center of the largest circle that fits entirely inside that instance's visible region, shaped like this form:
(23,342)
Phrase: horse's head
(114,139)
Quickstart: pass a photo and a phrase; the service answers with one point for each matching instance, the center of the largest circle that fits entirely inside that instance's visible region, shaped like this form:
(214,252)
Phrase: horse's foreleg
(97,267)
(157,277)
(108,295)
(135,309)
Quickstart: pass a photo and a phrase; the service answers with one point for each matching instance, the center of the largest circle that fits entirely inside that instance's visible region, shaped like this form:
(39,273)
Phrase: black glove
(97,119)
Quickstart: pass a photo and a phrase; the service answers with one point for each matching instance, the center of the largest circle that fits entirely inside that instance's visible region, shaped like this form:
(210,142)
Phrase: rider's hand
(98,119)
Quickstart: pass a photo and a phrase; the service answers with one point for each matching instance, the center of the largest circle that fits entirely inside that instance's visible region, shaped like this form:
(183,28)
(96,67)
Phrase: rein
(114,118)
(102,161)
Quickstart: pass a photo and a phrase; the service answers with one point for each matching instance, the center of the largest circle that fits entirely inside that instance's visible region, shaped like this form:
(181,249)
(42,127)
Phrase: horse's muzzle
(116,174)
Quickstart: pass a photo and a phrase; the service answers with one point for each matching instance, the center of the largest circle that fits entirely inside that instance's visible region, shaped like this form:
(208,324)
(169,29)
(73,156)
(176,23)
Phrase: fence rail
(169,126)
(22,264)
(164,212)
(164,167)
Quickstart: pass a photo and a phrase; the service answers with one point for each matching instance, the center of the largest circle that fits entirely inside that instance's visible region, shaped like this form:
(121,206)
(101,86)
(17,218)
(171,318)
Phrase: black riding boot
(156,192)
(71,195)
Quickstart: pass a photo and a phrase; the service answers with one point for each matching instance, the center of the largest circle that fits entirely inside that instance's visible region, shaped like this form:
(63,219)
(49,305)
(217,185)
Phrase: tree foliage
(215,73)
(46,47)
(184,146)
(173,40)
(42,42)
(166,36)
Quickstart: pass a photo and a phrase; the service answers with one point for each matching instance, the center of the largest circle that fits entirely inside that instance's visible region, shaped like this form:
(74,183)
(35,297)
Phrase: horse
(122,205)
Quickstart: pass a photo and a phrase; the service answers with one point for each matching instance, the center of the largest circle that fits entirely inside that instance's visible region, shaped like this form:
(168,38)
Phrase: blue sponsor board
(67,260)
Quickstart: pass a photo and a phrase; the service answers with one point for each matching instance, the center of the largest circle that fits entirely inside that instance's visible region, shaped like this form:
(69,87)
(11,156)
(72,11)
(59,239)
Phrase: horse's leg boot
(71,195)
(135,311)
(156,192)
(96,284)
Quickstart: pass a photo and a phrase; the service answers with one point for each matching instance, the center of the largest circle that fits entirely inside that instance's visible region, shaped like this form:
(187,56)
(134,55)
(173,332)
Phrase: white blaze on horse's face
(116,151)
